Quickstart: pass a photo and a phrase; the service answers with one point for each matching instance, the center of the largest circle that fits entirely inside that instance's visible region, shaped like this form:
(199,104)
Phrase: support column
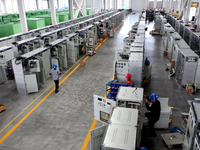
(22,15)
(186,19)
(155,4)
(4,6)
(53,12)
(37,4)
(100,6)
(71,11)
(122,4)
(147,4)
(84,7)
(93,2)
(104,5)
(108,2)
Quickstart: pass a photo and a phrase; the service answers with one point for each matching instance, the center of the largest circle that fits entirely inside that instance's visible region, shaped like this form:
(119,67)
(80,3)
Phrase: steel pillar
(22,15)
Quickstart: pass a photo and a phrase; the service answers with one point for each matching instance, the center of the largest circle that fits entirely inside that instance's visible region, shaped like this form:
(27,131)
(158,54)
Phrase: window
(30,5)
(119,4)
(126,4)
(45,4)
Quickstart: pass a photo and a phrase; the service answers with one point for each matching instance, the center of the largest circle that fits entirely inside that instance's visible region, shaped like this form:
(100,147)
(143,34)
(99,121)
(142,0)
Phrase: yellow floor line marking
(87,139)
(39,96)
(28,114)
(9,132)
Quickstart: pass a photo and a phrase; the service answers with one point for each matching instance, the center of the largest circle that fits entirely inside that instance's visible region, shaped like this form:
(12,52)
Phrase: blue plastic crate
(112,88)
(176,129)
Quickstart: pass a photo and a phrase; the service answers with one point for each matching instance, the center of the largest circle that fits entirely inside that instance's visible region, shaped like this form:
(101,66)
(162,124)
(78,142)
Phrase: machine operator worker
(55,75)
(154,111)
(128,79)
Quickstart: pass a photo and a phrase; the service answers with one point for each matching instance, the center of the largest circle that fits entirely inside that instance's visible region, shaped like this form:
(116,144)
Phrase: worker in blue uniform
(154,111)
(55,75)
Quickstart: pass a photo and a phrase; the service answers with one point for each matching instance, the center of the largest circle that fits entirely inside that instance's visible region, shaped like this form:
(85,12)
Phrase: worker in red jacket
(128,79)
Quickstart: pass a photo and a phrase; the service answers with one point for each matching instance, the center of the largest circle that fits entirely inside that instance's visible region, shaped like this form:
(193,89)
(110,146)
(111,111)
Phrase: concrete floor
(63,120)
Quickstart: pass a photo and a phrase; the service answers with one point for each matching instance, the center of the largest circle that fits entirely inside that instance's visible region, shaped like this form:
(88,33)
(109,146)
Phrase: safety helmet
(153,96)
(147,62)
(9,69)
(54,66)
(128,75)
(142,148)
(81,34)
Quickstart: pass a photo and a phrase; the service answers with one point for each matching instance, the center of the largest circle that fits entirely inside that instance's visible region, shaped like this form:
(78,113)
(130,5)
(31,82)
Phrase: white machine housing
(192,137)
(187,62)
(124,122)
(178,45)
(163,122)
(172,38)
(135,68)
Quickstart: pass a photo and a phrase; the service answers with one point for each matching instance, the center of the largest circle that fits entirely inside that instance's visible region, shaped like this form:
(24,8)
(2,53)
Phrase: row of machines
(176,38)
(122,117)
(33,53)
(159,20)
(131,59)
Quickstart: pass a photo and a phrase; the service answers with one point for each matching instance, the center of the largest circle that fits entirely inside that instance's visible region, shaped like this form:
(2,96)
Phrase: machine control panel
(191,59)
(102,108)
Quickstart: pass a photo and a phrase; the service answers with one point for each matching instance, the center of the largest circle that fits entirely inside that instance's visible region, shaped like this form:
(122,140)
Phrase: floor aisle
(63,120)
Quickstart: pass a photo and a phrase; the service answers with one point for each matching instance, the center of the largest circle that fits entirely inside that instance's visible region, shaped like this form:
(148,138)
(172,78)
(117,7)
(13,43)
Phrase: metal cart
(171,139)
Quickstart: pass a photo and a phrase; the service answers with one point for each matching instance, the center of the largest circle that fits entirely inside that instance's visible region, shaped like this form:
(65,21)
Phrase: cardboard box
(172,64)
(82,63)
(165,53)
(108,34)
(2,107)
(146,80)
(83,49)
(100,40)
(105,36)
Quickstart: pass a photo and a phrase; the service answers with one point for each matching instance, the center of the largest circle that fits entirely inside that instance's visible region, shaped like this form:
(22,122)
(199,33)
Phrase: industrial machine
(22,36)
(6,41)
(135,68)
(159,23)
(197,77)
(167,31)
(31,70)
(72,47)
(178,45)
(192,137)
(24,46)
(48,37)
(58,53)
(181,29)
(186,67)
(127,44)
(195,42)
(6,55)
(172,39)
(122,118)
(187,33)
(177,24)
(163,122)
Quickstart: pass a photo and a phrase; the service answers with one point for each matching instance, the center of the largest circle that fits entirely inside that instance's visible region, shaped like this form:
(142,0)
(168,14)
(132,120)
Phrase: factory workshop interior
(116,59)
